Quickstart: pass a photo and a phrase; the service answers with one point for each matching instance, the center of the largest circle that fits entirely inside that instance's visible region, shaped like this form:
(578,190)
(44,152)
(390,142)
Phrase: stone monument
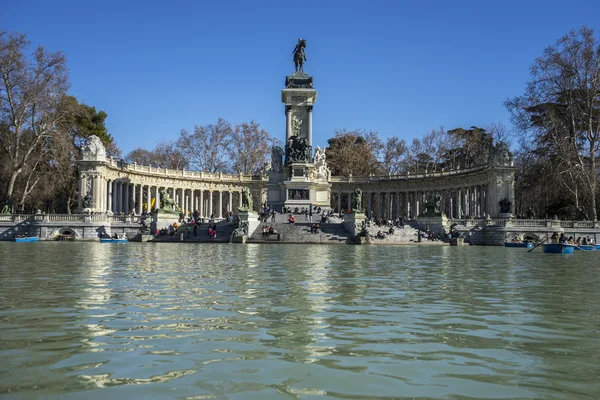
(301,181)
(248,219)
(166,214)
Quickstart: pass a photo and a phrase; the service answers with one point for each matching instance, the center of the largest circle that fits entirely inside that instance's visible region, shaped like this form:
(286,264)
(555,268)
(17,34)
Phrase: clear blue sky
(400,68)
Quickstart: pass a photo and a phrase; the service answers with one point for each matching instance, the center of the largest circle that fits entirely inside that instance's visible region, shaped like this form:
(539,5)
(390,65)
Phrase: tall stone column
(339,196)
(126,198)
(369,205)
(210,203)
(110,196)
(398,205)
(230,201)
(220,213)
(193,205)
(450,204)
(148,199)
(81,192)
(349,201)
(466,201)
(140,199)
(240,198)
(119,202)
(156,198)
(201,201)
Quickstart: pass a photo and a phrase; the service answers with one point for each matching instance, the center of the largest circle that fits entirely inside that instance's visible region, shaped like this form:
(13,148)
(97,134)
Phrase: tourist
(391,230)
(380,235)
(292,220)
(195,229)
(272,230)
(554,238)
(578,241)
(562,238)
(214,231)
(570,240)
(265,231)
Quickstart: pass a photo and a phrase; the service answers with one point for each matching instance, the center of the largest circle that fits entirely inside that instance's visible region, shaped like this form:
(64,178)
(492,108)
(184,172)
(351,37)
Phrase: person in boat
(578,241)
(554,238)
(562,238)
(570,240)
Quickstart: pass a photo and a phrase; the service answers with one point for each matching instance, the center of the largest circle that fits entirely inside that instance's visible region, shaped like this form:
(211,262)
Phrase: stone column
(450,204)
(288,123)
(240,198)
(339,203)
(398,205)
(156,198)
(148,199)
(369,208)
(220,213)
(81,192)
(201,201)
(140,200)
(417,210)
(126,205)
(349,201)
(310,111)
(119,197)
(193,205)
(466,201)
(210,203)
(230,206)
(110,196)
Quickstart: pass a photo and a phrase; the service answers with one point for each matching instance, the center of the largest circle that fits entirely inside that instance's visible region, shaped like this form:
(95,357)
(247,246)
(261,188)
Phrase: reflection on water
(254,321)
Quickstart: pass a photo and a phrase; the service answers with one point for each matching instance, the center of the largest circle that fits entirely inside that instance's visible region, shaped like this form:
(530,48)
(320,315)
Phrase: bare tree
(560,110)
(207,147)
(394,154)
(250,148)
(30,96)
(165,155)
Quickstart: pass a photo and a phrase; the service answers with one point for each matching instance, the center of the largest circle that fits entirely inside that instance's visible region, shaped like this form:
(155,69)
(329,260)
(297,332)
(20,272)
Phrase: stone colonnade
(117,187)
(468,201)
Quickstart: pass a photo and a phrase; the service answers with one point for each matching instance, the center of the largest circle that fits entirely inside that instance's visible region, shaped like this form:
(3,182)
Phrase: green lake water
(204,321)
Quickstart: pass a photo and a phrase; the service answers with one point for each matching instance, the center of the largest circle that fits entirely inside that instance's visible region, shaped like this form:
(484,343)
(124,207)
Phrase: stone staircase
(407,234)
(331,233)
(224,231)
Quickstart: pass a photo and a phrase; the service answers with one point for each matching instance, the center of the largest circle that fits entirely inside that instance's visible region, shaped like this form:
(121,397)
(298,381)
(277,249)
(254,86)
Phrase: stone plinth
(457,242)
(435,224)
(251,217)
(162,219)
(353,222)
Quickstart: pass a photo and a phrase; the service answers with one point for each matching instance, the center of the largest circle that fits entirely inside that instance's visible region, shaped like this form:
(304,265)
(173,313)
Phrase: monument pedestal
(353,222)
(250,218)
(162,219)
(436,224)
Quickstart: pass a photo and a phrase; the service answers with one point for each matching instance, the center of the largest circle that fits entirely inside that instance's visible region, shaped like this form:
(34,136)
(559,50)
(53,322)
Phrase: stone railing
(16,218)
(383,178)
(182,173)
(525,223)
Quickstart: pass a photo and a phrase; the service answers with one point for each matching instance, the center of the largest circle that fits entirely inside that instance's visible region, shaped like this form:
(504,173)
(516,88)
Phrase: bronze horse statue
(299,56)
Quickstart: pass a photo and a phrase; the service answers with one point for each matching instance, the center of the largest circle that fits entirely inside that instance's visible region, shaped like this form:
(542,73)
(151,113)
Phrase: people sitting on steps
(292,219)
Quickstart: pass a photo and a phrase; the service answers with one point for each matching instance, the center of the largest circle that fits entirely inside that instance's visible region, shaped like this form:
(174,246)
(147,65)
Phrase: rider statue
(299,56)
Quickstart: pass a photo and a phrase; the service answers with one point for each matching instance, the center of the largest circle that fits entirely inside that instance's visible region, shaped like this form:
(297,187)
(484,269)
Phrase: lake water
(185,321)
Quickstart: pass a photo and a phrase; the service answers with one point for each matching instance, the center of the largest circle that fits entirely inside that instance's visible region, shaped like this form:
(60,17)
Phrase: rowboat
(25,239)
(518,244)
(587,247)
(112,240)
(561,248)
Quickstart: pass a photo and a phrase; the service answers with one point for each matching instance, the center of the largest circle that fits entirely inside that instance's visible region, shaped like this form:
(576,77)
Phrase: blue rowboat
(587,247)
(522,244)
(111,240)
(560,248)
(25,239)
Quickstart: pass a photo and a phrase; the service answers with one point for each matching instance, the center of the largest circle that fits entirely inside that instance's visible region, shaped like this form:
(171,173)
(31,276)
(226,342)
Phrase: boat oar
(539,244)
(577,247)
